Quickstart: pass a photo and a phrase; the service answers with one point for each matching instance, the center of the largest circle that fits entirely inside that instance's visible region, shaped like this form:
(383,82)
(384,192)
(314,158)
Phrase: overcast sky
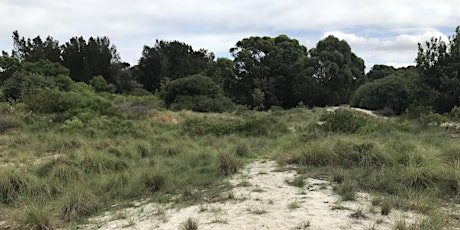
(380,32)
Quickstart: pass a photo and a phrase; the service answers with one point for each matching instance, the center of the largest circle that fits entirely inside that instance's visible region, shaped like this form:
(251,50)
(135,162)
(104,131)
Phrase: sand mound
(261,199)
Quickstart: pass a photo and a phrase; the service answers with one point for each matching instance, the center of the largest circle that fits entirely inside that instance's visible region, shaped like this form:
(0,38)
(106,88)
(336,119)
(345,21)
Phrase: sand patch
(261,199)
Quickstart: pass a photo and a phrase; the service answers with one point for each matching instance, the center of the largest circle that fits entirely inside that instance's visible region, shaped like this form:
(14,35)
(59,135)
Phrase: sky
(380,32)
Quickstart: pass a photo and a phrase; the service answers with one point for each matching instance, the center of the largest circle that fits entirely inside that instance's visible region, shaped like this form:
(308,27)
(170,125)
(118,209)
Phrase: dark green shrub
(197,93)
(391,92)
(47,100)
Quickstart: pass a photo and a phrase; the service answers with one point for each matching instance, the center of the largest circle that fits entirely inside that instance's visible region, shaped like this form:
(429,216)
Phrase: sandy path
(265,202)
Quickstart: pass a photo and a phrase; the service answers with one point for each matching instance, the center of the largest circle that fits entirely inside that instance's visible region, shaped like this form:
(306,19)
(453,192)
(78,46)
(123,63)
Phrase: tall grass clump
(153,180)
(79,202)
(37,216)
(99,162)
(228,164)
(13,183)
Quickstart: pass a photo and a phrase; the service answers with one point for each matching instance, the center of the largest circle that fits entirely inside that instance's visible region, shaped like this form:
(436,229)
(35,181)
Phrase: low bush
(253,126)
(228,164)
(342,121)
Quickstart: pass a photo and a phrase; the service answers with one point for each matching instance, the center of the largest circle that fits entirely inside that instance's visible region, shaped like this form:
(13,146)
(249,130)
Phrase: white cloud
(399,51)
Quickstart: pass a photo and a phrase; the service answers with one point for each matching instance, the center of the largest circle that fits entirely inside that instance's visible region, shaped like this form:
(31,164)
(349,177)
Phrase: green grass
(81,169)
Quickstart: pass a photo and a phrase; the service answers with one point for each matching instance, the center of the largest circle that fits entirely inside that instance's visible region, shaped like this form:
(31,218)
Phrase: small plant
(189,224)
(376,200)
(293,205)
(298,181)
(304,225)
(258,190)
(347,190)
(257,210)
(228,164)
(387,206)
(359,214)
(244,183)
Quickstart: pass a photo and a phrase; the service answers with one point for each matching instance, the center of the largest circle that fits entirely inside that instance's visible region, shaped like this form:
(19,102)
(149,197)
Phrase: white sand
(262,204)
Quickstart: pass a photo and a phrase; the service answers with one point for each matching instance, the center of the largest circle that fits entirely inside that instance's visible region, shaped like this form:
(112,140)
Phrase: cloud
(399,51)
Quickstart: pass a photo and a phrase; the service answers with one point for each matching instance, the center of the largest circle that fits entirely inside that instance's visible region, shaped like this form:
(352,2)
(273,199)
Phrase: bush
(391,92)
(79,202)
(265,125)
(47,100)
(342,121)
(153,181)
(101,85)
(197,93)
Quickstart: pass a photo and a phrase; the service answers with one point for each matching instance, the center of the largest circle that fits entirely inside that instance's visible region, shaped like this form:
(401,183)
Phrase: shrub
(101,85)
(47,100)
(197,93)
(37,216)
(189,224)
(391,92)
(342,121)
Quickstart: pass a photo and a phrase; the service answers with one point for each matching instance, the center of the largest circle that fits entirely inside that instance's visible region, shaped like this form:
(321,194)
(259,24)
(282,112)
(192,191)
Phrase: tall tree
(170,61)
(267,67)
(337,69)
(88,59)
(33,50)
(439,65)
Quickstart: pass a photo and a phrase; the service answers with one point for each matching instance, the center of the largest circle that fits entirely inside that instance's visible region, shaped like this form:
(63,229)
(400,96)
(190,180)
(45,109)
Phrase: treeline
(264,72)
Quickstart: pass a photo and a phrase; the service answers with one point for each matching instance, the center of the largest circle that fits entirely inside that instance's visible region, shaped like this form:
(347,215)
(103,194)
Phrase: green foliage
(154,180)
(8,122)
(46,67)
(79,202)
(438,62)
(264,125)
(228,164)
(47,100)
(100,85)
(9,66)
(170,61)
(22,83)
(379,72)
(189,224)
(390,92)
(37,216)
(342,121)
(12,184)
(197,93)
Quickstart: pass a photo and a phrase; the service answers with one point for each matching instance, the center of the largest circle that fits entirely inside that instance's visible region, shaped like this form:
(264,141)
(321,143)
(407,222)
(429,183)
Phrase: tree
(33,50)
(88,59)
(439,65)
(170,61)
(197,92)
(337,69)
(380,71)
(8,66)
(267,66)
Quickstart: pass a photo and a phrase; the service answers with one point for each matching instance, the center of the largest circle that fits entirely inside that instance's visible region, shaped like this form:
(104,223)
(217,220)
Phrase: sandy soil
(265,201)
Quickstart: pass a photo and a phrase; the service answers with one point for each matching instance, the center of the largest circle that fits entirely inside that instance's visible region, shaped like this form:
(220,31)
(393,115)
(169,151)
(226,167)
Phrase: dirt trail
(263,200)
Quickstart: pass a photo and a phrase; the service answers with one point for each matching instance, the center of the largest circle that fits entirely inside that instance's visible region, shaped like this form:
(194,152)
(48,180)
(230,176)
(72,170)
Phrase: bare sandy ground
(261,199)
